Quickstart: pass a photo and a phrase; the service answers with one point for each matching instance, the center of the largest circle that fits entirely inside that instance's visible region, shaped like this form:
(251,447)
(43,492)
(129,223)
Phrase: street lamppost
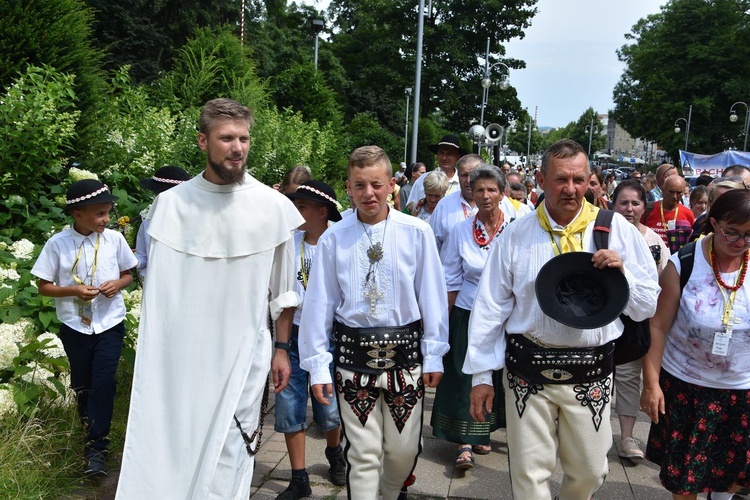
(529,127)
(406,125)
(317,27)
(677,129)
(733,118)
(487,81)
(590,129)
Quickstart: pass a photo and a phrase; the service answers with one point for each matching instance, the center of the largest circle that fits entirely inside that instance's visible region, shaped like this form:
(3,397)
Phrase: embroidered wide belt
(375,350)
(544,365)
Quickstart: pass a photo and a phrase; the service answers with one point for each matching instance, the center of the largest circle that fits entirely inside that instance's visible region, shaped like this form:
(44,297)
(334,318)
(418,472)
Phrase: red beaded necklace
(480,236)
(715,266)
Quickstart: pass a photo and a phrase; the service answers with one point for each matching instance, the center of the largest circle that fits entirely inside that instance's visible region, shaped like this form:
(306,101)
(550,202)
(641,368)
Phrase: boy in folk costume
(377,289)
(84,268)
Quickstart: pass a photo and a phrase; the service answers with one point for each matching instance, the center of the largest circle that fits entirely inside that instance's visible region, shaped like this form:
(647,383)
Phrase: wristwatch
(283,345)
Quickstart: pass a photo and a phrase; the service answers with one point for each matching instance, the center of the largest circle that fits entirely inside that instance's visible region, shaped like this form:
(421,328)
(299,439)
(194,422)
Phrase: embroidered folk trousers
(382,420)
(566,420)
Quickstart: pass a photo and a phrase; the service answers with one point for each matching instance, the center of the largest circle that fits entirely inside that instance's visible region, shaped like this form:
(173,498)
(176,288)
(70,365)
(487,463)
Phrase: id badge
(671,225)
(84,311)
(721,344)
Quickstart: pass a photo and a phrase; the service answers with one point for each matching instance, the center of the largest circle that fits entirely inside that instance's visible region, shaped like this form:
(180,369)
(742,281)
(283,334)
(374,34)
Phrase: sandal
(481,449)
(464,462)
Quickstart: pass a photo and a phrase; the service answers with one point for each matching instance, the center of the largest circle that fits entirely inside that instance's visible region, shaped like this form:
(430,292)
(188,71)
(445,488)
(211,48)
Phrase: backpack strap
(687,259)
(602,226)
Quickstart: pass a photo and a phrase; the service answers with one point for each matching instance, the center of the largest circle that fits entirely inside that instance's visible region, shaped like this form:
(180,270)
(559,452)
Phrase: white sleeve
(281,288)
(432,297)
(125,258)
(417,191)
(452,261)
(322,297)
(142,242)
(492,307)
(639,268)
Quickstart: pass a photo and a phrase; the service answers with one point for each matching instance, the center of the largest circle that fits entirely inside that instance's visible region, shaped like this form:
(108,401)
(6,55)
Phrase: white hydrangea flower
(79,174)
(8,351)
(9,274)
(16,331)
(22,249)
(38,375)
(7,404)
(54,348)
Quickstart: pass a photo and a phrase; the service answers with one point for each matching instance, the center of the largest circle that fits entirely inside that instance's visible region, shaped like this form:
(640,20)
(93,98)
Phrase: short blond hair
(367,156)
(436,181)
(223,109)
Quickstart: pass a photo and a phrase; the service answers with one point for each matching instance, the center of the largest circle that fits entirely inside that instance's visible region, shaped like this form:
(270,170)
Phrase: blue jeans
(93,363)
(291,403)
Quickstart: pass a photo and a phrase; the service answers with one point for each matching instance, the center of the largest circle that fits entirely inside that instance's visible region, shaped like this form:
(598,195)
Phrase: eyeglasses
(733,237)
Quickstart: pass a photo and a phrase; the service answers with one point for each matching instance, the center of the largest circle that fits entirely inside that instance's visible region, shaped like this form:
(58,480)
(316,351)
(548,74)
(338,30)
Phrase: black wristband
(283,345)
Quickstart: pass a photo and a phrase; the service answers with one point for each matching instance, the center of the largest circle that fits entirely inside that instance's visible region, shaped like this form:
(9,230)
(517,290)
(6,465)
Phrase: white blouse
(687,352)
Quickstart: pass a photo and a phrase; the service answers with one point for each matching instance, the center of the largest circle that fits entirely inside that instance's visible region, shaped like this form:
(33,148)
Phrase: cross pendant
(372,295)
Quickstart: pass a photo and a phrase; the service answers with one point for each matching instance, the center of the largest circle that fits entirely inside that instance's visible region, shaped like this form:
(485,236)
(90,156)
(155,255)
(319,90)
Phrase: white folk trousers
(382,420)
(547,421)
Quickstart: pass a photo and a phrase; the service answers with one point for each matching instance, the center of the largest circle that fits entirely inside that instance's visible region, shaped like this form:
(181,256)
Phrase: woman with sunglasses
(696,377)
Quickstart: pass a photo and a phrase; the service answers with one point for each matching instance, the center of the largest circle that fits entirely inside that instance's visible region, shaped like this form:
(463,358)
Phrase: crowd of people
(486,283)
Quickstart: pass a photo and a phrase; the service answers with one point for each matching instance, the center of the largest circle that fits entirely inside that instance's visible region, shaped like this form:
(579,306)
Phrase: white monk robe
(220,257)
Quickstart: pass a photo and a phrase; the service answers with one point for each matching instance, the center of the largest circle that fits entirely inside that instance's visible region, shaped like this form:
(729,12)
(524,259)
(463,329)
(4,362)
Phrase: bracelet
(283,345)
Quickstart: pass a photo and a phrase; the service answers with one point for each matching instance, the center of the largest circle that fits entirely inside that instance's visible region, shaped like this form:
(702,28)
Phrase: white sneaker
(629,449)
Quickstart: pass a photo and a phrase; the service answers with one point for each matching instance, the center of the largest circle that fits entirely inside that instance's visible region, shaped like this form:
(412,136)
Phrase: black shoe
(338,466)
(299,487)
(96,463)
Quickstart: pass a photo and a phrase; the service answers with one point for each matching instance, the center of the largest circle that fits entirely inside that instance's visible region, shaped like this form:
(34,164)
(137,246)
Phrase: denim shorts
(291,403)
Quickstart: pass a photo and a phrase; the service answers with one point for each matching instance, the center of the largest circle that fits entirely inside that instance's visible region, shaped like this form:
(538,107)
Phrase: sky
(570,54)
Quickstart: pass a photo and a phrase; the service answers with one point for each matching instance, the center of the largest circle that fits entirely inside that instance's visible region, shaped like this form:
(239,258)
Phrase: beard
(228,175)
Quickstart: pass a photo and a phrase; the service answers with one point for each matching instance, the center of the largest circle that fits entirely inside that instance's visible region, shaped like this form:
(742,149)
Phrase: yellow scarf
(568,240)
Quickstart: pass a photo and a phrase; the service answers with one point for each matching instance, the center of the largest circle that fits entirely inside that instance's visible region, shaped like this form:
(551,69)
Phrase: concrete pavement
(436,478)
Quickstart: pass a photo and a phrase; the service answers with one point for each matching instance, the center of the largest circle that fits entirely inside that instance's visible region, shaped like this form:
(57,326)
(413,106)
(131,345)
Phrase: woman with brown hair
(696,377)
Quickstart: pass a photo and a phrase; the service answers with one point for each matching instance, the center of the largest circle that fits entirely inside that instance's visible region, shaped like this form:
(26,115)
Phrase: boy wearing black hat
(163,179)
(84,268)
(316,201)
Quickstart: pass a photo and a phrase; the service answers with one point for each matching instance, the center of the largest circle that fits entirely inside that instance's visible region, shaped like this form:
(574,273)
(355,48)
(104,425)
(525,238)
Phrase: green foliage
(213,64)
(375,42)
(579,132)
(694,52)
(55,33)
(281,140)
(145,34)
(37,129)
(364,130)
(304,89)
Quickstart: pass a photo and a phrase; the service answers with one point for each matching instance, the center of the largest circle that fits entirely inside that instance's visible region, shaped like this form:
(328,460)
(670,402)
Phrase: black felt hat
(319,192)
(574,292)
(450,140)
(165,178)
(88,192)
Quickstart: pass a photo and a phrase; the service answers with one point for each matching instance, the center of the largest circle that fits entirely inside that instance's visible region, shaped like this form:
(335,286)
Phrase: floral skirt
(703,442)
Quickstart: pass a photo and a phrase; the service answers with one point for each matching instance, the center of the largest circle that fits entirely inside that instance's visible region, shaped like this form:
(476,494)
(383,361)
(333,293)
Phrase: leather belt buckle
(557,374)
(381,363)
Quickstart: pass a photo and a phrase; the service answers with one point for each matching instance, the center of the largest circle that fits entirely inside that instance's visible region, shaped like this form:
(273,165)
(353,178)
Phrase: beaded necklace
(715,266)
(481,237)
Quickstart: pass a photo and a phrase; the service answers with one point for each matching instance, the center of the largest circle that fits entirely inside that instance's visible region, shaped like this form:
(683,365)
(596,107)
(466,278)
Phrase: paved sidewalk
(436,479)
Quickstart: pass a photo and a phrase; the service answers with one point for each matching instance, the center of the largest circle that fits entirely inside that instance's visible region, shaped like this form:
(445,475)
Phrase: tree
(304,89)
(376,44)
(694,52)
(580,131)
(145,34)
(56,33)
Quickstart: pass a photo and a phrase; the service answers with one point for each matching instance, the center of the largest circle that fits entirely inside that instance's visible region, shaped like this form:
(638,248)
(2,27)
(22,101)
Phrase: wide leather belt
(545,365)
(376,350)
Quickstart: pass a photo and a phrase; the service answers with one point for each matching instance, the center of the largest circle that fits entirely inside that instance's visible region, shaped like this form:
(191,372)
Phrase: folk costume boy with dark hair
(84,268)
(377,289)
(316,202)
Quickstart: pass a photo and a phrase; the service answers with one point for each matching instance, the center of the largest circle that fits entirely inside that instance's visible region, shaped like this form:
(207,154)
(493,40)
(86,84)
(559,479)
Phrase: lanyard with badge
(728,319)
(84,307)
(671,225)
